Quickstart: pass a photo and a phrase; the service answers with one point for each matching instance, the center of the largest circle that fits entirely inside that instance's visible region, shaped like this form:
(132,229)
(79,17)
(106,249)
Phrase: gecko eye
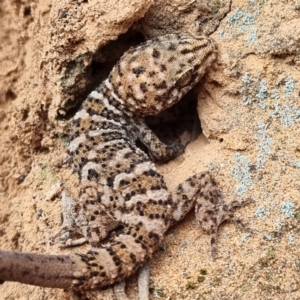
(184,78)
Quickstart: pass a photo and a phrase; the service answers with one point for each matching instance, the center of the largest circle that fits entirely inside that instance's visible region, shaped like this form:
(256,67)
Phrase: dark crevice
(27,11)
(10,95)
(96,72)
(181,118)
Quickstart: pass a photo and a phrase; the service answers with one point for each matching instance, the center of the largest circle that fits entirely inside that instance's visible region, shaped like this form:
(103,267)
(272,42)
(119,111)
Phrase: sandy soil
(52,53)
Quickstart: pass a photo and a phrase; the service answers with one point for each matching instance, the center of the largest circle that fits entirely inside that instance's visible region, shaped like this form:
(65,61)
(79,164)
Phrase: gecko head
(155,75)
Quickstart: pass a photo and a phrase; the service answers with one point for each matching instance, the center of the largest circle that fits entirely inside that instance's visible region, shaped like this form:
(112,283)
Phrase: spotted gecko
(118,180)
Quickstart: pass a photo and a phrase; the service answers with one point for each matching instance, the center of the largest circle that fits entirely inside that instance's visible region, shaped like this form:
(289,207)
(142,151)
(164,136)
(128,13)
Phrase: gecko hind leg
(202,192)
(228,213)
(224,213)
(63,237)
(76,223)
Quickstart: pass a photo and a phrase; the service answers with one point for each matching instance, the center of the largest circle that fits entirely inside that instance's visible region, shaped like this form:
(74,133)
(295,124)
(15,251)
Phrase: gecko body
(118,181)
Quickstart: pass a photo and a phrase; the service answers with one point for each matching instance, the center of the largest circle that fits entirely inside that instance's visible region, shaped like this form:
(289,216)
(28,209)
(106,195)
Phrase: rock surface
(53,53)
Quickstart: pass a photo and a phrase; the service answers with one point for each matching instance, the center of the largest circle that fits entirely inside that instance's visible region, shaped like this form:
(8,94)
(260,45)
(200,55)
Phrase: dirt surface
(52,53)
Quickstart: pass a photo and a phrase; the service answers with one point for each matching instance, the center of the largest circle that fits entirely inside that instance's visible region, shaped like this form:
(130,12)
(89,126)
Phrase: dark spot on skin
(198,206)
(143,87)
(159,98)
(127,197)
(103,274)
(139,70)
(163,68)
(172,47)
(124,182)
(127,155)
(196,67)
(212,200)
(162,85)
(144,246)
(128,170)
(132,59)
(94,273)
(110,181)
(96,230)
(76,122)
(91,112)
(155,187)
(151,74)
(83,160)
(171,59)
(193,184)
(117,260)
(192,50)
(110,251)
(92,174)
(156,53)
(154,236)
(190,60)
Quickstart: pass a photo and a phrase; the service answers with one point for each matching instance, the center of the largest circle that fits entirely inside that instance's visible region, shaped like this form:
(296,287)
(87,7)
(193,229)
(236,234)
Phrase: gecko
(118,181)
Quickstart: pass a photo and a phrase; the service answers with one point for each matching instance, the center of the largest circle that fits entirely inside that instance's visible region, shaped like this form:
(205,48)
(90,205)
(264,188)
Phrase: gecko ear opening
(184,78)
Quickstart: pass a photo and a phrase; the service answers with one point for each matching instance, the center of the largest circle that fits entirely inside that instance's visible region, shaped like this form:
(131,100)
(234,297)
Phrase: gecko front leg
(157,150)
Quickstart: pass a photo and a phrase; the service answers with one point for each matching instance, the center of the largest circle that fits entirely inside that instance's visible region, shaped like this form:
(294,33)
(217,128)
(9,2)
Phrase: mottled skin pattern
(118,180)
